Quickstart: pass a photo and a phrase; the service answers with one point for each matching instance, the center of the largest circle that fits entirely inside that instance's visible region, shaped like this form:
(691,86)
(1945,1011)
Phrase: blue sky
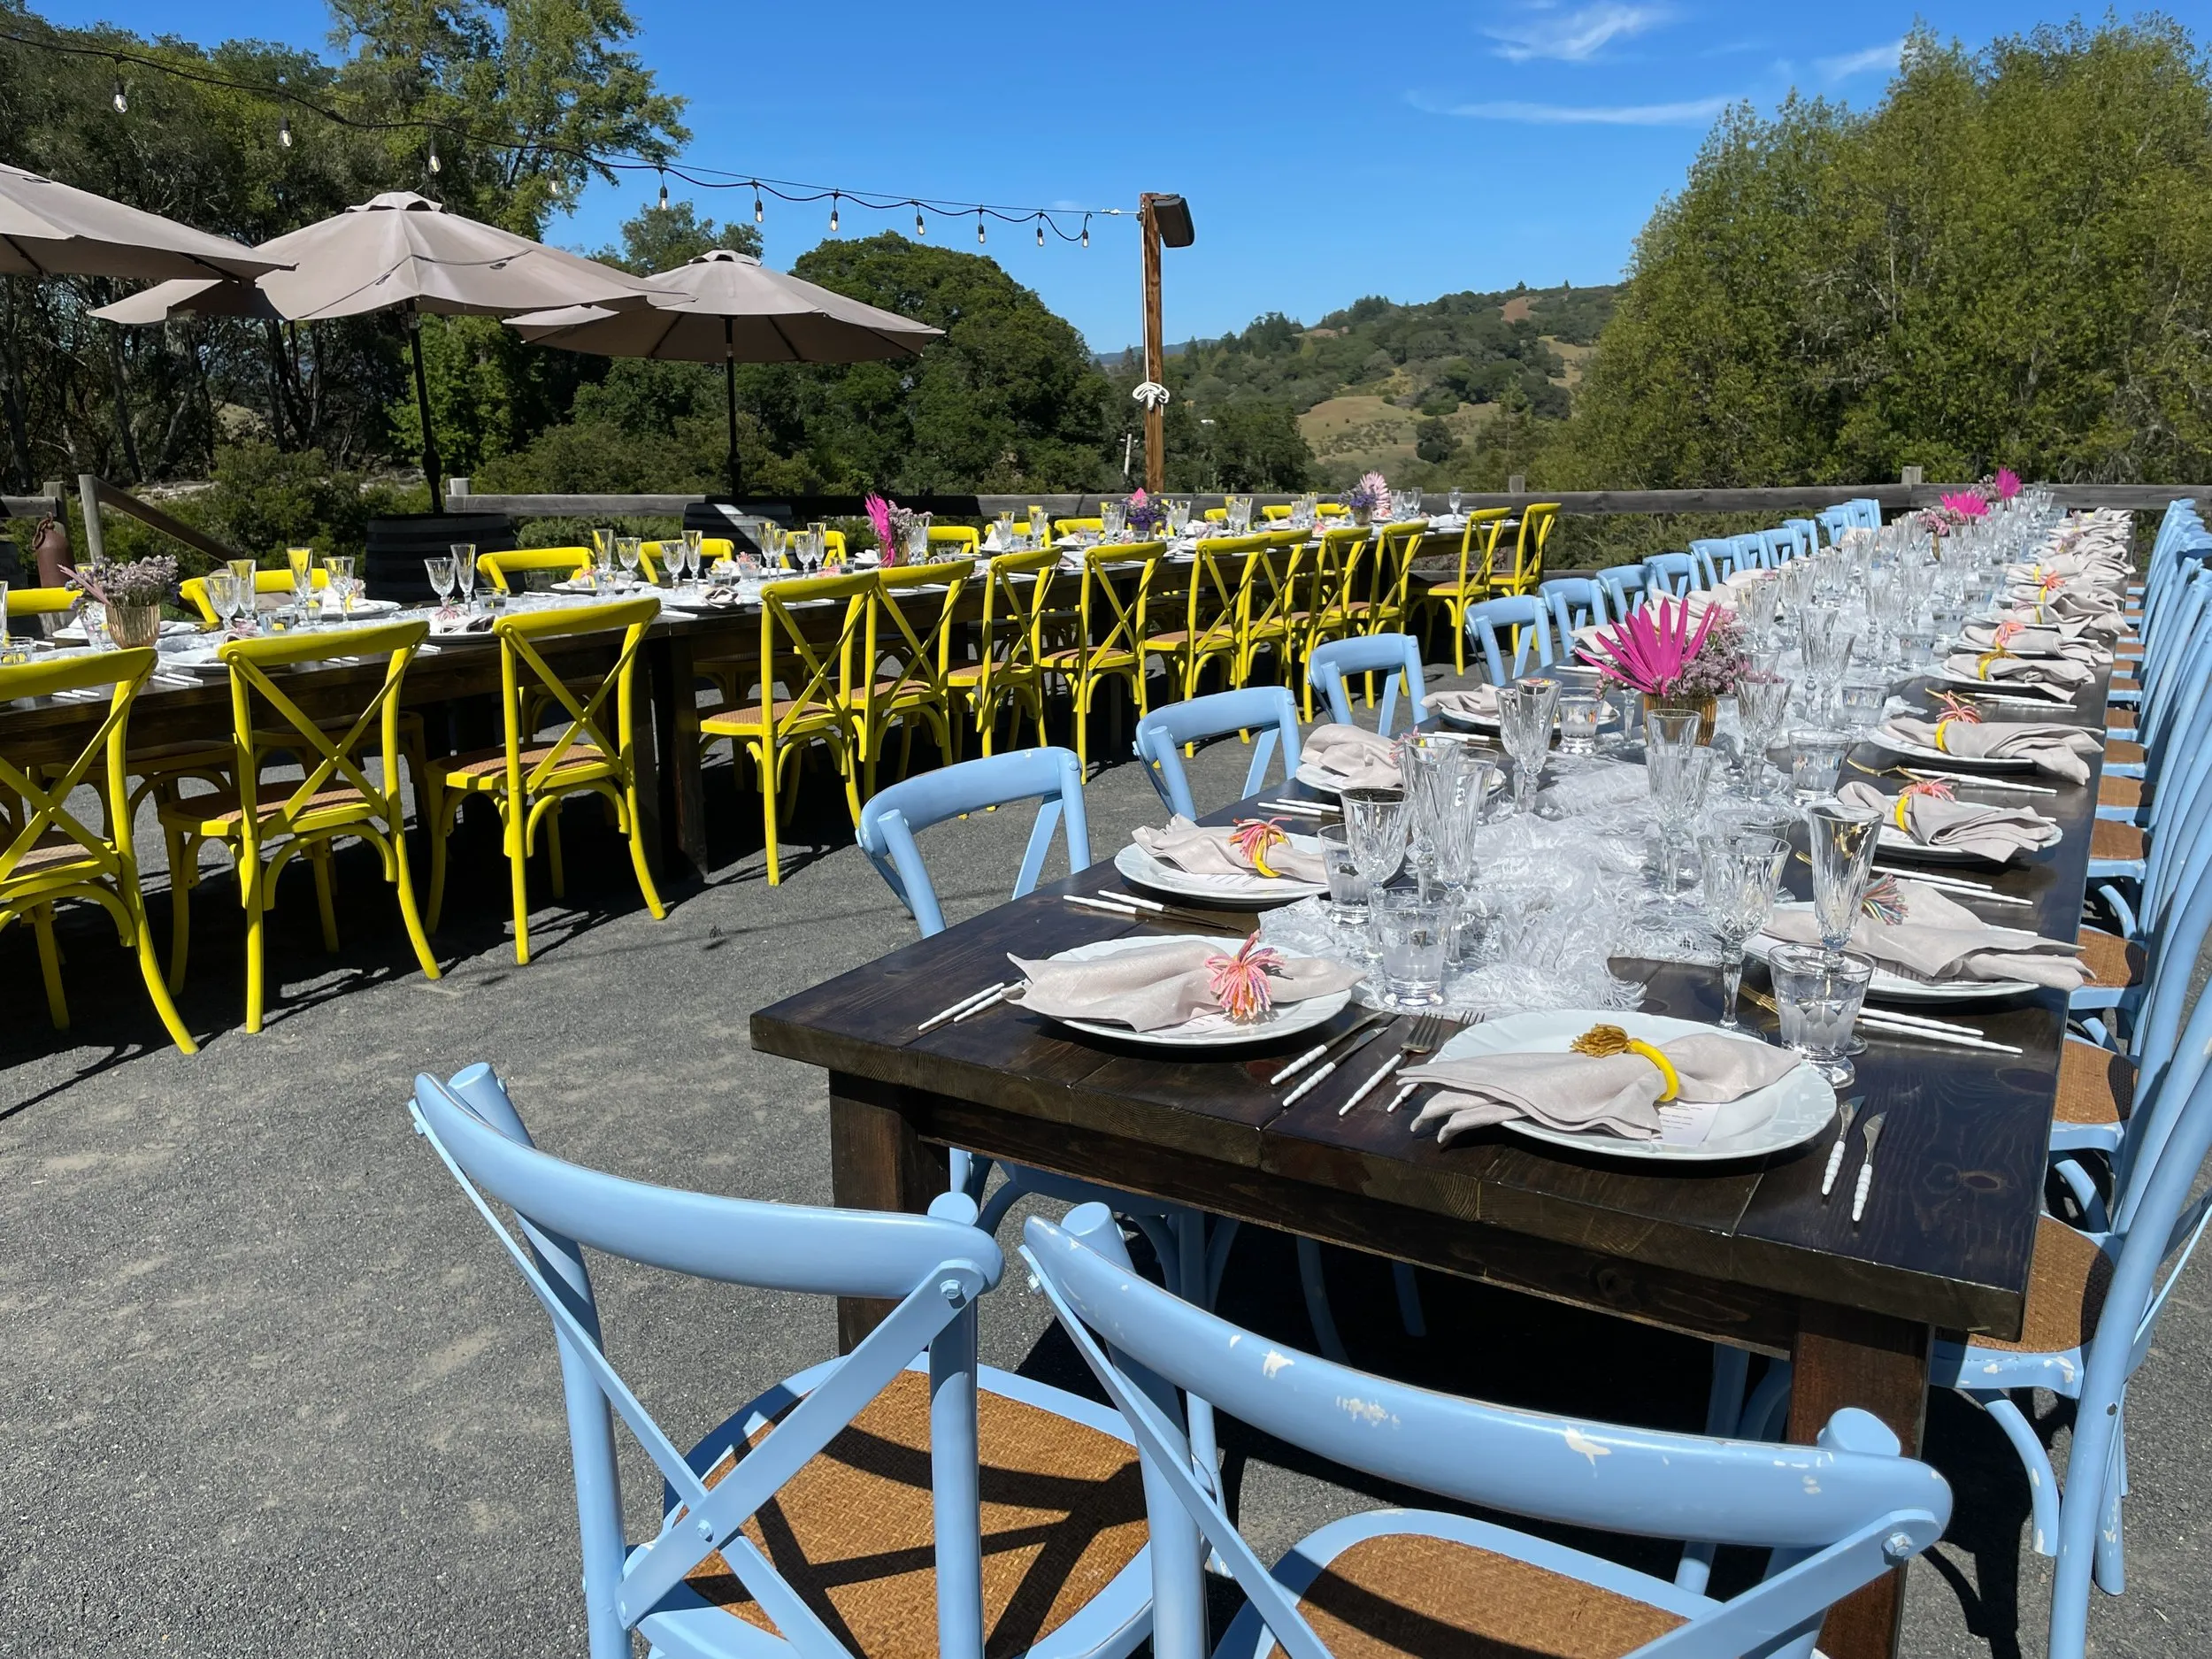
(1327,151)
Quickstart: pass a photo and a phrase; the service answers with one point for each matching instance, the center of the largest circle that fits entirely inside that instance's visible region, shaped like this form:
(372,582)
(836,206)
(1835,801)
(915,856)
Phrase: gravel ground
(271,1389)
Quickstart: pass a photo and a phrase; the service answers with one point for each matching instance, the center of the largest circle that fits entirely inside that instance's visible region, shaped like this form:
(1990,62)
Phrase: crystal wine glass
(1741,873)
(1375,823)
(464,573)
(1678,778)
(1763,707)
(440,569)
(1841,845)
(627,550)
(603,559)
(693,538)
(1526,710)
(222,598)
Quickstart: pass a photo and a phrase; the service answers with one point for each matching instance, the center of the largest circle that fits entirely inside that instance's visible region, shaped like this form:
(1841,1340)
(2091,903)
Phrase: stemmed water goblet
(342,587)
(1526,710)
(1375,826)
(440,569)
(1677,777)
(222,598)
(628,550)
(465,574)
(603,559)
(1762,708)
(692,546)
(1741,873)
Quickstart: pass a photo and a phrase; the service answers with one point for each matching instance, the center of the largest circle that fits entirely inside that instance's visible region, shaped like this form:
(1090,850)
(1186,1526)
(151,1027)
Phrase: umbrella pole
(422,403)
(729,388)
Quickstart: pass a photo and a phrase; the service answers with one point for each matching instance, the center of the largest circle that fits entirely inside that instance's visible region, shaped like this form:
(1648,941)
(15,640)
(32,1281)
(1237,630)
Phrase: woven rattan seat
(1406,1596)
(211,813)
(1063,1514)
(2108,838)
(2113,962)
(492,762)
(2095,1086)
(2066,1283)
(2119,752)
(2119,792)
(2120,719)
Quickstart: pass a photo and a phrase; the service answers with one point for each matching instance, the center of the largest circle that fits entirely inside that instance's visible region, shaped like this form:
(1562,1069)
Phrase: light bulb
(920,229)
(122,104)
(284,131)
(1040,233)
(979,230)
(664,193)
(1086,230)
(757,213)
(434,164)
(832,213)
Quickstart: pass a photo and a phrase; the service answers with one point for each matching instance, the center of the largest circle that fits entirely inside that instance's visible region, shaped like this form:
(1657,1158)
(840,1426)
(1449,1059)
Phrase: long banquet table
(1744,1254)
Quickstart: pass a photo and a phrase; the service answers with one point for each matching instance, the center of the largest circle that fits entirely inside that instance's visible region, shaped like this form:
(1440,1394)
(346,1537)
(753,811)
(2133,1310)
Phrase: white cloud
(1885,57)
(1696,113)
(1573,36)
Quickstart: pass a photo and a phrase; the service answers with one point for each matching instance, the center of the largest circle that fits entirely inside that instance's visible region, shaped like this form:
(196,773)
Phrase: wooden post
(1155,349)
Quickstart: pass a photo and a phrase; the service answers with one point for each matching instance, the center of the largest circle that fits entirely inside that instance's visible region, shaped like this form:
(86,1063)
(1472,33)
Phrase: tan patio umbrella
(728,308)
(399,252)
(51,229)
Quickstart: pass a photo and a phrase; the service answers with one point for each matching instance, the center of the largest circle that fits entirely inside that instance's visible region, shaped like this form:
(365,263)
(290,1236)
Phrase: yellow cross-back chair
(1341,583)
(656,554)
(957,536)
(1470,583)
(40,602)
(264,823)
(1200,595)
(1275,605)
(1017,588)
(1528,550)
(1072,527)
(1396,546)
(49,854)
(1115,588)
(908,666)
(193,590)
(529,776)
(505,571)
(806,688)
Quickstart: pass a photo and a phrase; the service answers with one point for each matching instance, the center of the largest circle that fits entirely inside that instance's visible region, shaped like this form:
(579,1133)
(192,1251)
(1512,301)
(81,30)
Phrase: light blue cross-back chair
(1396,654)
(1833,521)
(1804,537)
(1672,573)
(1191,1261)
(1529,619)
(933,1267)
(1714,557)
(1624,585)
(1576,601)
(890,819)
(1270,711)
(1835,1517)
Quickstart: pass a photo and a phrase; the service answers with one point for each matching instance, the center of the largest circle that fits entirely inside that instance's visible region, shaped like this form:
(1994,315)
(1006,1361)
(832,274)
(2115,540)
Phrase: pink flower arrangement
(879,516)
(2007,483)
(1372,495)
(1968,504)
(1144,515)
(1658,652)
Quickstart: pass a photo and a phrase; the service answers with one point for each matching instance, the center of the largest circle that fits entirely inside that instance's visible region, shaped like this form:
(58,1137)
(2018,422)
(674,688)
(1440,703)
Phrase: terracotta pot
(133,626)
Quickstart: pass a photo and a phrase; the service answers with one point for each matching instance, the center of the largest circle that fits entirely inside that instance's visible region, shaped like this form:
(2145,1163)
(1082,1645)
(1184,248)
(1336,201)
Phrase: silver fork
(1423,1041)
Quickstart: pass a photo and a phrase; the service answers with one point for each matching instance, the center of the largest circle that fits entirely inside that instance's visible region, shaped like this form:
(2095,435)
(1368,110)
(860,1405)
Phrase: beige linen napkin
(1576,1092)
(1940,941)
(2060,750)
(1477,702)
(1987,832)
(2103,625)
(2067,602)
(2063,639)
(2055,671)
(1208,852)
(1160,986)
(1354,758)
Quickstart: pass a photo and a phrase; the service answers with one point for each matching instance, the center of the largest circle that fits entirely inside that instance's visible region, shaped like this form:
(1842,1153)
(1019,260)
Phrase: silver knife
(1866,1168)
(1371,1018)
(1342,1055)
(1843,1140)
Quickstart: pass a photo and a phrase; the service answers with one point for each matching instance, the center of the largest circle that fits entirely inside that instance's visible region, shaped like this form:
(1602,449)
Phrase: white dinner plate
(2057,696)
(1240,891)
(1607,716)
(1898,844)
(1919,751)
(1208,1031)
(1787,1112)
(1317,776)
(1895,987)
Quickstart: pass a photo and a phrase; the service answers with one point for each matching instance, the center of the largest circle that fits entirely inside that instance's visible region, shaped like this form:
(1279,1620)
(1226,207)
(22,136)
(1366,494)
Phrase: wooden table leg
(679,802)
(877,1162)
(1847,1359)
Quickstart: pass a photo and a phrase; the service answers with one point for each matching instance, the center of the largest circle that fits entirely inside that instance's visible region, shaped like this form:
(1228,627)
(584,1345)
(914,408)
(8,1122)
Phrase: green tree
(1435,441)
(659,239)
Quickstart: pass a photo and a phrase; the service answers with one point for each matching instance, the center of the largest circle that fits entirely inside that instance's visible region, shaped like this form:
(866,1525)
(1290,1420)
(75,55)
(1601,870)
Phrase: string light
(832,213)
(541,151)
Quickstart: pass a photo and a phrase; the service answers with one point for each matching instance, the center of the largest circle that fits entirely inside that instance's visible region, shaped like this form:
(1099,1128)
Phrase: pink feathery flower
(1967,504)
(1650,649)
(1238,983)
(879,516)
(2008,483)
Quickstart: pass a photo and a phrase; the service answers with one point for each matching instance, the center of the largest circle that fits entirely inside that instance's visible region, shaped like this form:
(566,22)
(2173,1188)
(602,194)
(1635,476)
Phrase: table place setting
(2056,678)
(1926,947)
(1335,757)
(1256,861)
(1926,820)
(2064,639)
(1183,991)
(1962,740)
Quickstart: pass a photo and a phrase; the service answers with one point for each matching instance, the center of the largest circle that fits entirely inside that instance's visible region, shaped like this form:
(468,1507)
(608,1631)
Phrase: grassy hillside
(1433,393)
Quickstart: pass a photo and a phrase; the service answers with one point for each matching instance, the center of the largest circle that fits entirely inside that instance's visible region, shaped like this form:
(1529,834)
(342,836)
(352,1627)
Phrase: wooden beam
(1154,348)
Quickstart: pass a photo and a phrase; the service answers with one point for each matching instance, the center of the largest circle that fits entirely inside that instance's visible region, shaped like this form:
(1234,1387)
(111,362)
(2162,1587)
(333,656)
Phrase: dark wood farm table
(1747,1254)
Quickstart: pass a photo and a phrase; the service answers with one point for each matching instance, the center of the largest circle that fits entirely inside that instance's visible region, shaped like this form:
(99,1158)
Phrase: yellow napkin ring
(1898,814)
(1982,663)
(1603,1041)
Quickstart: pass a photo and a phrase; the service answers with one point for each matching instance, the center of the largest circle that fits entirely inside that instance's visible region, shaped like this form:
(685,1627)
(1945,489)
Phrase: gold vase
(1705,709)
(130,627)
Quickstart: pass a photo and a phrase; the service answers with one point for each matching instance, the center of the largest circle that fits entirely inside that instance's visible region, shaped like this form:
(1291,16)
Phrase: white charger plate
(1919,751)
(1787,1112)
(1208,1031)
(2057,696)
(1898,844)
(1142,867)
(1894,988)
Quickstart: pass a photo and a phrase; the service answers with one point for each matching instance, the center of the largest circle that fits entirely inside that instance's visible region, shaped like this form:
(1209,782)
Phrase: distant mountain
(1368,383)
